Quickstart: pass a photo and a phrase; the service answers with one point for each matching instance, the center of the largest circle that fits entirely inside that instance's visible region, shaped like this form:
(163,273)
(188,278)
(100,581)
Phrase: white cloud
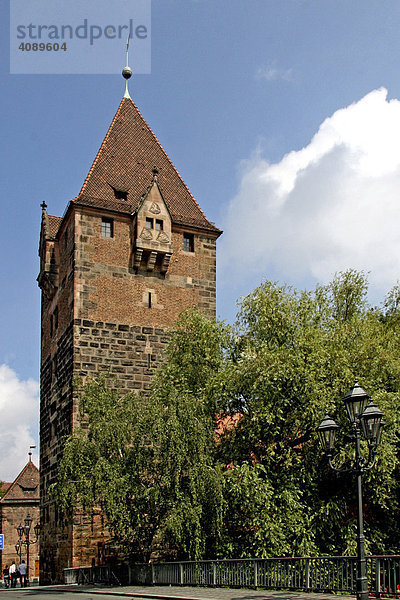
(19,414)
(333,205)
(271,72)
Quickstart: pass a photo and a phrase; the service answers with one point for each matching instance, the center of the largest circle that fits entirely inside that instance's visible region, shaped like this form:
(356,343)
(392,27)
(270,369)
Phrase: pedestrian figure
(22,573)
(13,574)
(6,577)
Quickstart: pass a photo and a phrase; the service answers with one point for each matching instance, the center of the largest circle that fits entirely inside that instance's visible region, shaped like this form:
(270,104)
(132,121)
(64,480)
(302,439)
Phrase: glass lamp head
(371,423)
(355,401)
(327,433)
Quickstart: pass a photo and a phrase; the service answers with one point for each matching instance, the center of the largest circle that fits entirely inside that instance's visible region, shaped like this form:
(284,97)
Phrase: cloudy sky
(282,116)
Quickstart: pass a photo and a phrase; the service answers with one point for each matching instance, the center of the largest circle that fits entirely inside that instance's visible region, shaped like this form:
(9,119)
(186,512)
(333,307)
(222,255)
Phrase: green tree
(148,461)
(222,458)
(295,354)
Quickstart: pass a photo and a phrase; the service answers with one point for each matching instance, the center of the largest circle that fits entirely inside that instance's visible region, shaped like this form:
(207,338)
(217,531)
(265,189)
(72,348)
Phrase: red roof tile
(124,163)
(54,224)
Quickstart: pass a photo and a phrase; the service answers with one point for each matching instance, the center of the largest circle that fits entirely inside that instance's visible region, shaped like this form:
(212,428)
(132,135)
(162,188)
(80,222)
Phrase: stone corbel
(151,261)
(165,262)
(138,257)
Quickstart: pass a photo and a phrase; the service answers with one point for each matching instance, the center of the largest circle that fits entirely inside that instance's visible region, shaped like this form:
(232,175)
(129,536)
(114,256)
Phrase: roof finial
(155,172)
(127,71)
(30,453)
(43,205)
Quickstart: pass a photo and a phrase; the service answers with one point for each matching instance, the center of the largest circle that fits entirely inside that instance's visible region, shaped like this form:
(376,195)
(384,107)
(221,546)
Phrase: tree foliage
(149,461)
(259,486)
(294,355)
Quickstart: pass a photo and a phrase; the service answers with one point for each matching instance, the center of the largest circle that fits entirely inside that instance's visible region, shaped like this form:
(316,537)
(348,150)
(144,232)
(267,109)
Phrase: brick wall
(108,289)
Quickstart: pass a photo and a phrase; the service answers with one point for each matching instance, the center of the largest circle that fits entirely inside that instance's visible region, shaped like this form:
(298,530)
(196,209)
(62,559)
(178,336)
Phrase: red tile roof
(124,163)
(25,486)
(54,224)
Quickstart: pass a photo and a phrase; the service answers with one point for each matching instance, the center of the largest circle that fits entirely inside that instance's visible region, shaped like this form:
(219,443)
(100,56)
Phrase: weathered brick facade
(132,250)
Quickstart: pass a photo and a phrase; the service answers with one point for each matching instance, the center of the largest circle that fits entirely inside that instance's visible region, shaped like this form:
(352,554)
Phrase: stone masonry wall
(56,406)
(129,353)
(55,423)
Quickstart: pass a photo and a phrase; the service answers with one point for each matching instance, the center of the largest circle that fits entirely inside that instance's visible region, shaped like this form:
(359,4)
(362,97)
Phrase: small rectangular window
(188,242)
(159,225)
(56,317)
(149,223)
(107,228)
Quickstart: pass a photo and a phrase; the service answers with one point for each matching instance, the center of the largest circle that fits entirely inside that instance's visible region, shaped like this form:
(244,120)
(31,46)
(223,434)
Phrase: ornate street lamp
(18,549)
(366,419)
(24,532)
(36,529)
(28,522)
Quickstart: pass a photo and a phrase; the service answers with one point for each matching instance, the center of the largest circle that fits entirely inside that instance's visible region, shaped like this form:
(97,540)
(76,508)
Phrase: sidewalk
(198,593)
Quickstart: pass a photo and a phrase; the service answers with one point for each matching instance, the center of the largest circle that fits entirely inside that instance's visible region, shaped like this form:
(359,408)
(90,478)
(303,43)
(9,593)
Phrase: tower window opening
(149,223)
(56,317)
(188,242)
(159,225)
(107,228)
(149,361)
(149,300)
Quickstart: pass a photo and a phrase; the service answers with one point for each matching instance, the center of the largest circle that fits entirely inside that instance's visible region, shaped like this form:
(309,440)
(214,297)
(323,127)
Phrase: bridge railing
(320,573)
(84,575)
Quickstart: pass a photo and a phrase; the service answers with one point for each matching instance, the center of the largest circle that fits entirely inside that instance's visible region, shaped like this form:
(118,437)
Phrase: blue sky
(274,114)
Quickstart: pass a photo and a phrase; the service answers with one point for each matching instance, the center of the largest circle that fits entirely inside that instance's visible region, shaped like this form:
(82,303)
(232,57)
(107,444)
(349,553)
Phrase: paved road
(157,593)
(36,592)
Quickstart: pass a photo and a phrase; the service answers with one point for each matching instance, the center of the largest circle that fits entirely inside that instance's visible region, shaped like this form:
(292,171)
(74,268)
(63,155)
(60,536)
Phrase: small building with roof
(20,499)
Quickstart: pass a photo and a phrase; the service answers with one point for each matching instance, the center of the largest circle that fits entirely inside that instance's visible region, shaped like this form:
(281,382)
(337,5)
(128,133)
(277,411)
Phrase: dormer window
(120,195)
(152,247)
(156,224)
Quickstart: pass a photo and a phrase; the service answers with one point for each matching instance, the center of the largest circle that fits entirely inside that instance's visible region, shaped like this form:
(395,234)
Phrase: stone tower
(132,250)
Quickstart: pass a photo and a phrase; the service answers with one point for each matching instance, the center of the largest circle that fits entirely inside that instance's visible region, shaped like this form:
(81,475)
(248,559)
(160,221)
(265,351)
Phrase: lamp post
(24,532)
(366,420)
(18,549)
